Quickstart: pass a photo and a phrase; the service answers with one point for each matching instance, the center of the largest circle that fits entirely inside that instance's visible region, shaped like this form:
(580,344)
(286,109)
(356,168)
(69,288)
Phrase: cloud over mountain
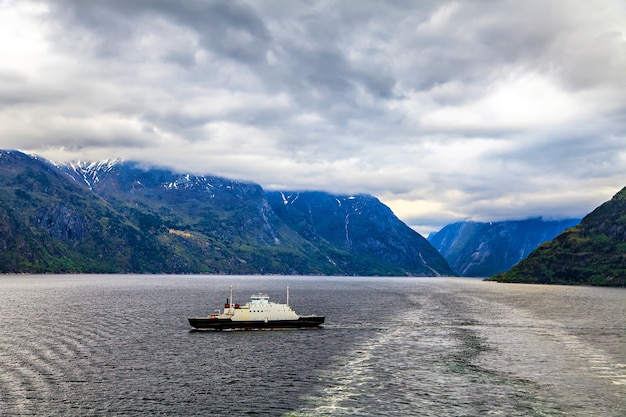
(444,110)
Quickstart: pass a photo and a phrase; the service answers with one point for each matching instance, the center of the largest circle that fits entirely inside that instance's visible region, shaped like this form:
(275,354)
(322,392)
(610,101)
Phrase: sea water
(121,345)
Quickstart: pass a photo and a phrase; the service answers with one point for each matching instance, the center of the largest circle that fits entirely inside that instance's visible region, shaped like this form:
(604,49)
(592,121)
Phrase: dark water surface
(121,345)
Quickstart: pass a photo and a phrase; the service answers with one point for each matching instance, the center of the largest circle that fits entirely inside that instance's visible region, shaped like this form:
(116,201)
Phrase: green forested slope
(592,253)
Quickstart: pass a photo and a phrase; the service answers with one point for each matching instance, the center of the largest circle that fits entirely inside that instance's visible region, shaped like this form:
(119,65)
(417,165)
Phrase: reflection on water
(112,345)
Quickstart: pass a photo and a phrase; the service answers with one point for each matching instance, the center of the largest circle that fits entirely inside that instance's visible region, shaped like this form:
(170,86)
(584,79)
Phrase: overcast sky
(482,110)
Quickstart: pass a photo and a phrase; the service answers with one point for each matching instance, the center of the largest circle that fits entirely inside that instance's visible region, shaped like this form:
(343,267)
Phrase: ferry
(258,314)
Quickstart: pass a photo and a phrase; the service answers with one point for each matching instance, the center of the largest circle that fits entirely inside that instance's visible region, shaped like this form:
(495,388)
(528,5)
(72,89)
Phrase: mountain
(592,253)
(362,233)
(49,223)
(121,217)
(475,249)
(210,224)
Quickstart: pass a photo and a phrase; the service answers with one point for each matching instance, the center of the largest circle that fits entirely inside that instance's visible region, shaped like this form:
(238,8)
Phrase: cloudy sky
(445,110)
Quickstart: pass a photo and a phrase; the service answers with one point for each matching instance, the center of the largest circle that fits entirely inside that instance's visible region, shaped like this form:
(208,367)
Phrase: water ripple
(121,346)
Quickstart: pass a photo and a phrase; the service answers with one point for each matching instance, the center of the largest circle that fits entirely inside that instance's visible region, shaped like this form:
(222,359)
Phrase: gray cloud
(445,110)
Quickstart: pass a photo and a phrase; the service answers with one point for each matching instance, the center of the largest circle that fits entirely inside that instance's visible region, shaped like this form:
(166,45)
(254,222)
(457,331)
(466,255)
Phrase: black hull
(205,323)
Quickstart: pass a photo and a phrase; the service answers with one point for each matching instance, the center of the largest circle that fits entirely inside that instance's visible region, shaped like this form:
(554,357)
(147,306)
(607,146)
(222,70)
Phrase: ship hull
(206,323)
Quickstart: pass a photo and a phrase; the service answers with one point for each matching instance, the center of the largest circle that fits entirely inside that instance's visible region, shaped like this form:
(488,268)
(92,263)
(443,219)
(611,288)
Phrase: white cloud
(24,48)
(514,103)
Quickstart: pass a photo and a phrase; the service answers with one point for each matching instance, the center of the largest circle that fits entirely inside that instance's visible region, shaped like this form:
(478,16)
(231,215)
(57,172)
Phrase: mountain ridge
(117,216)
(358,223)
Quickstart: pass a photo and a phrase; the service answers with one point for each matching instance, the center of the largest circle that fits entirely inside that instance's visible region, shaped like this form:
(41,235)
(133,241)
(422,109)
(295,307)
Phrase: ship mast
(230,307)
(287,295)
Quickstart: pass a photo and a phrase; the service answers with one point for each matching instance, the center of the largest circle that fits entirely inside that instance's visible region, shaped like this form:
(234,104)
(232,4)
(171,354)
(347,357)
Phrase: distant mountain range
(119,217)
(475,249)
(592,253)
